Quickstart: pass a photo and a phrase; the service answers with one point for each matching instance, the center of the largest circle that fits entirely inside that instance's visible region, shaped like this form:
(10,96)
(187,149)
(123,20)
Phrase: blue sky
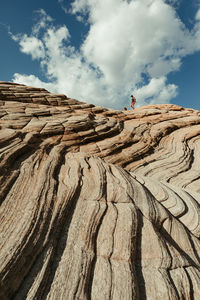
(103,51)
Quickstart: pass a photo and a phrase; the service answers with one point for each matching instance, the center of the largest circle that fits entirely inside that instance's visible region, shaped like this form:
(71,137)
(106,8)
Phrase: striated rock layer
(95,203)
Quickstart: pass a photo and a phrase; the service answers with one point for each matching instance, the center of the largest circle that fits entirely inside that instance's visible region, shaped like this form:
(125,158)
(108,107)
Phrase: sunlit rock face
(97,203)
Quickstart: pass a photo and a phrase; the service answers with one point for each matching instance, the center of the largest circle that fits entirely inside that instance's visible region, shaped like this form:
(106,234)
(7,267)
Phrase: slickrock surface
(97,204)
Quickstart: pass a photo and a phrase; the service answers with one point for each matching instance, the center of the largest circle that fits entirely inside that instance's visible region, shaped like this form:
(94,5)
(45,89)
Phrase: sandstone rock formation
(95,203)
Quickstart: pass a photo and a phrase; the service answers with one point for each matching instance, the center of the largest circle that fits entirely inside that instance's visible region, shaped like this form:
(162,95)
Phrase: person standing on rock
(133,100)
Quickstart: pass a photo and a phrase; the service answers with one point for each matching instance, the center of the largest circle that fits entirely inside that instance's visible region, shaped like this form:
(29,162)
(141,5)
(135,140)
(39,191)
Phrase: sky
(102,51)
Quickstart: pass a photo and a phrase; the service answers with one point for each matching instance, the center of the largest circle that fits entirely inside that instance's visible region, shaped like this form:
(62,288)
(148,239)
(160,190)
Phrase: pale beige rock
(96,203)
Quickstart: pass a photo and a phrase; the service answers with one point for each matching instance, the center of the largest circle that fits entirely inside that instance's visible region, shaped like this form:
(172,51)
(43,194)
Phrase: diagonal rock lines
(97,203)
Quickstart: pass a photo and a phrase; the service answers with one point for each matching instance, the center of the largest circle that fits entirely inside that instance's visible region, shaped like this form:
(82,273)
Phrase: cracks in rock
(191,294)
(58,232)
(140,156)
(186,168)
(173,243)
(193,246)
(89,283)
(47,235)
(111,253)
(166,263)
(138,258)
(10,168)
(59,229)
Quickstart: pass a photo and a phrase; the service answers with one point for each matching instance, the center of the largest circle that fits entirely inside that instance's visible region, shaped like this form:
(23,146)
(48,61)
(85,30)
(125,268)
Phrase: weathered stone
(97,203)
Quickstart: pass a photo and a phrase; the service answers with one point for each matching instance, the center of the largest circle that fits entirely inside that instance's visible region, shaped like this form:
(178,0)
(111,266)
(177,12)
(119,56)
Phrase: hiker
(133,100)
(125,108)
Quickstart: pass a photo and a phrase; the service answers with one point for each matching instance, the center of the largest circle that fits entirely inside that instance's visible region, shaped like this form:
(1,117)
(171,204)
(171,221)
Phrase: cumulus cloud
(197,17)
(35,81)
(30,45)
(156,91)
(130,48)
(42,20)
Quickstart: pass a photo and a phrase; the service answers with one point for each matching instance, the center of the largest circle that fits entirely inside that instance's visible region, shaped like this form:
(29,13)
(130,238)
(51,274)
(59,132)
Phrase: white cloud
(126,39)
(30,45)
(197,17)
(34,81)
(157,91)
(42,21)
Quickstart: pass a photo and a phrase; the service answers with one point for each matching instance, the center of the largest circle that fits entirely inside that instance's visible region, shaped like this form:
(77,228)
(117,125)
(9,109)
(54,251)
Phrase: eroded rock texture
(96,203)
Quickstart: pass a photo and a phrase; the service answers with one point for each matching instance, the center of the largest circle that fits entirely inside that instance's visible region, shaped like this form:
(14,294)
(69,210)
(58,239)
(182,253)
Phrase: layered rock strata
(97,203)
